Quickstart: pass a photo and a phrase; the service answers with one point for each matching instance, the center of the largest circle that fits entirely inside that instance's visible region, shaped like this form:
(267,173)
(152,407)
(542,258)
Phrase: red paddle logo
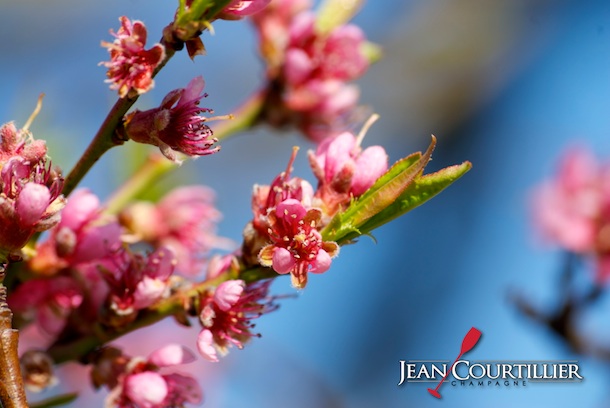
(470,340)
(494,373)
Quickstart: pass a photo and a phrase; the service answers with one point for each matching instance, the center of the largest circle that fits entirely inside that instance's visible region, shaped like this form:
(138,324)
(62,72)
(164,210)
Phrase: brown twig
(12,393)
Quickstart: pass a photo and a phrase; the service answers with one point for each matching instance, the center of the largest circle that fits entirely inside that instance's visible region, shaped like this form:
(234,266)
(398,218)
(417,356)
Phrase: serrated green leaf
(421,190)
(386,190)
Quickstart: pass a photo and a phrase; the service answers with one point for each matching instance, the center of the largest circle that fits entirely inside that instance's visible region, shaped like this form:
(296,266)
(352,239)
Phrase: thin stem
(106,137)
(153,168)
(103,141)
(61,353)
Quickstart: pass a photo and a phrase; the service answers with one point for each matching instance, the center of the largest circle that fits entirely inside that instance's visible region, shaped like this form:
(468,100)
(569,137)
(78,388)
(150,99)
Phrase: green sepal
(199,12)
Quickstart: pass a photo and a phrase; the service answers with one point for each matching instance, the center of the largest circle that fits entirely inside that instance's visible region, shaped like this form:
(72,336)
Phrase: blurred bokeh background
(506,84)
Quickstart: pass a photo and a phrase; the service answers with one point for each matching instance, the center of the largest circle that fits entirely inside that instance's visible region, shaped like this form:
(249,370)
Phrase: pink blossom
(15,142)
(47,301)
(146,389)
(344,170)
(310,70)
(131,67)
(184,220)
(573,210)
(170,355)
(30,201)
(228,293)
(142,383)
(82,235)
(297,246)
(175,126)
(264,200)
(136,282)
(228,324)
(205,346)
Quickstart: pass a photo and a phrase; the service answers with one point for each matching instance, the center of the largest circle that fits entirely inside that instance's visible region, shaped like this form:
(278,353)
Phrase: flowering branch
(105,139)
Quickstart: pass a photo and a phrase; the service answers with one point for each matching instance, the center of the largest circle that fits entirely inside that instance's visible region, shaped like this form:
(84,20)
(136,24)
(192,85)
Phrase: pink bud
(205,345)
(82,207)
(32,203)
(292,209)
(283,261)
(148,291)
(147,389)
(171,354)
(228,293)
(321,263)
(370,165)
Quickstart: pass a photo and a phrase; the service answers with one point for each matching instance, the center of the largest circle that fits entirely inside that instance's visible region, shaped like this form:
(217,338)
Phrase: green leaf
(421,190)
(57,401)
(386,190)
(333,13)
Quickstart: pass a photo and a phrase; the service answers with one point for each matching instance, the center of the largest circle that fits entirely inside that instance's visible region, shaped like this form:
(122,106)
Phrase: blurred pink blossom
(184,220)
(344,170)
(573,209)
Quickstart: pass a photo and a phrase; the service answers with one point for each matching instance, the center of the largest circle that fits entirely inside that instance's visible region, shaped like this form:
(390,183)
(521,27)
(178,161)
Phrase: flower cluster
(30,190)
(289,215)
(146,383)
(183,221)
(309,69)
(573,210)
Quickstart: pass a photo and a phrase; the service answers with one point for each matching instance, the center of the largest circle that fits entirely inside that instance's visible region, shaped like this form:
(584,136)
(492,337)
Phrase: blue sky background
(507,85)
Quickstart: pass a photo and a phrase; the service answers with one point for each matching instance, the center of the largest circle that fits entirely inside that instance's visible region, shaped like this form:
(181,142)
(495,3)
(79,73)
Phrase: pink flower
(184,221)
(264,200)
(15,142)
(82,235)
(297,247)
(310,55)
(228,293)
(47,302)
(131,67)
(175,126)
(146,389)
(205,346)
(310,70)
(136,282)
(573,210)
(30,201)
(226,317)
(344,170)
(141,383)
